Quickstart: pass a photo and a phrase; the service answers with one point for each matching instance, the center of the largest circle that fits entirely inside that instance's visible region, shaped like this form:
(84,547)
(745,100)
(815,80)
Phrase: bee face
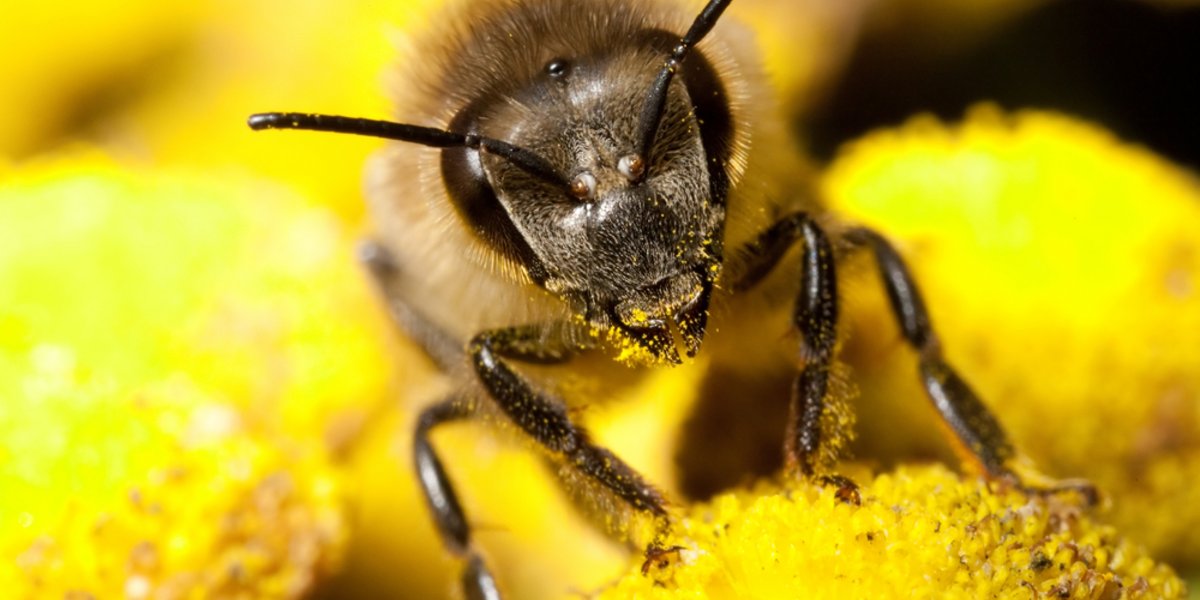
(629,236)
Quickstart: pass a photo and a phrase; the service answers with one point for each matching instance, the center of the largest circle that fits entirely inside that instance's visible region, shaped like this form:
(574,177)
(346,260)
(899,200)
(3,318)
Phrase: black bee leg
(545,419)
(815,315)
(977,430)
(440,347)
(542,418)
(477,581)
(972,423)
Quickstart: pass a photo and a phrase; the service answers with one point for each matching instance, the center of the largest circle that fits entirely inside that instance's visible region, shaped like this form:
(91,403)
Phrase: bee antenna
(527,160)
(652,110)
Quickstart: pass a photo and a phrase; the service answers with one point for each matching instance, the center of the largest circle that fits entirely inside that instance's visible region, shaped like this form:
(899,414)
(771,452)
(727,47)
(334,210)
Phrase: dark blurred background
(1130,66)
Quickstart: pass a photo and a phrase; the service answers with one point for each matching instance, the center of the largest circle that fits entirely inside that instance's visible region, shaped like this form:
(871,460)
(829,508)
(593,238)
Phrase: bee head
(602,173)
(628,230)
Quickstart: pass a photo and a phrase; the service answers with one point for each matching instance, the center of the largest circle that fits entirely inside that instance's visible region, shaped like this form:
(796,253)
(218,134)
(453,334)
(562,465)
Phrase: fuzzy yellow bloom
(178,360)
(1062,269)
(921,532)
(159,490)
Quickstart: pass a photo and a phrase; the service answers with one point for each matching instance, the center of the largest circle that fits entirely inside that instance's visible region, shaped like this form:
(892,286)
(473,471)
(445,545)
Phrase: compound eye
(583,187)
(632,167)
(557,68)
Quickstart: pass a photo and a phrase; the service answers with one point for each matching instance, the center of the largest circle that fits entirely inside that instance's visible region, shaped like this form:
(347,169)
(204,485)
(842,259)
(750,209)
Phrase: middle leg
(979,434)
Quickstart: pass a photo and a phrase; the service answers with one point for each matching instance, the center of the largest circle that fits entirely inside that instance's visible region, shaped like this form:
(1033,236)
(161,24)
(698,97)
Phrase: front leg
(528,344)
(545,419)
(815,316)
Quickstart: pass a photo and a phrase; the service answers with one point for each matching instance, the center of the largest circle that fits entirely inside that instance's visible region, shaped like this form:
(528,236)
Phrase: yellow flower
(921,532)
(178,361)
(1062,268)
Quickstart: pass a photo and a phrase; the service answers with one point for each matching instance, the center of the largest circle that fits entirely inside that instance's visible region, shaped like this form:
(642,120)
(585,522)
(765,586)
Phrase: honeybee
(594,182)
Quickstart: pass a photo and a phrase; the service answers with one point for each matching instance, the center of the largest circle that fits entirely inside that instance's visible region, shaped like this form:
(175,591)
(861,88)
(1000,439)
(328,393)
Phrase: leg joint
(482,351)
(902,293)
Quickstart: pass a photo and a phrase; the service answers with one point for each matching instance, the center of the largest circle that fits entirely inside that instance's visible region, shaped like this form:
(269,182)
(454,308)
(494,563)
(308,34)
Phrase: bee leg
(977,430)
(440,347)
(815,316)
(477,580)
(546,420)
(528,344)
(959,406)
